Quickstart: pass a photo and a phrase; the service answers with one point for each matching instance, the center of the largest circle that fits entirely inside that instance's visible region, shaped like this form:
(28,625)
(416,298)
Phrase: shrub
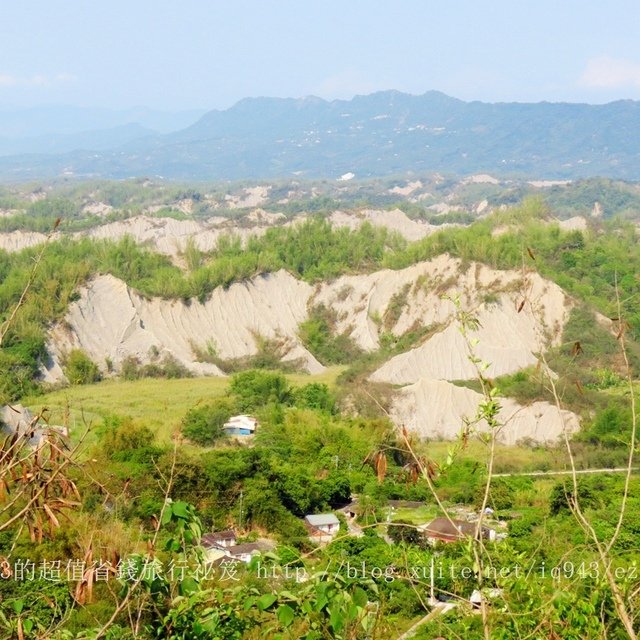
(80,369)
(254,389)
(315,396)
(610,427)
(317,333)
(404,531)
(501,495)
(132,369)
(203,425)
(125,441)
(562,497)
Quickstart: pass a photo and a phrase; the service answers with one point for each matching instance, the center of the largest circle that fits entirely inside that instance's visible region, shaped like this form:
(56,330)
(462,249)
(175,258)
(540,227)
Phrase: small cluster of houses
(323,527)
(222,545)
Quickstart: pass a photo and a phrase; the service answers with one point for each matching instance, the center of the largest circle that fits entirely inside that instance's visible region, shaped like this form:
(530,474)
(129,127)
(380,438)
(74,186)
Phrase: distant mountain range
(385,133)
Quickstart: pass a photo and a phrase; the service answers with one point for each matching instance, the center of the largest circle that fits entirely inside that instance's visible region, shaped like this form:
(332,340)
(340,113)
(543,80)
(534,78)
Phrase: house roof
(227,534)
(214,539)
(242,419)
(247,547)
(322,519)
(449,529)
(241,422)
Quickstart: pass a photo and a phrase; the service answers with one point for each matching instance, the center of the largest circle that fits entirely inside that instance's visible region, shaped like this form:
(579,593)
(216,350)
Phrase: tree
(254,389)
(315,396)
(404,531)
(80,369)
(204,424)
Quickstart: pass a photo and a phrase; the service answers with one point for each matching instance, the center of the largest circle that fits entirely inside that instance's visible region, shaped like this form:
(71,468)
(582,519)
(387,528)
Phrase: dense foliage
(148,501)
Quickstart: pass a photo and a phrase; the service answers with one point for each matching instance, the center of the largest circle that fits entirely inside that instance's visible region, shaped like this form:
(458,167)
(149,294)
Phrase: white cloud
(610,73)
(7,80)
(36,80)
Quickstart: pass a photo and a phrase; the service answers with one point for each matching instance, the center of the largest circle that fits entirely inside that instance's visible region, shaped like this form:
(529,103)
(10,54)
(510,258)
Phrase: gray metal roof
(321,519)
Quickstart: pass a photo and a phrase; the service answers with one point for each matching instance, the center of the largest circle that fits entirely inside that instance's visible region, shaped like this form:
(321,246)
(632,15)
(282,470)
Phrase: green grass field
(415,515)
(159,403)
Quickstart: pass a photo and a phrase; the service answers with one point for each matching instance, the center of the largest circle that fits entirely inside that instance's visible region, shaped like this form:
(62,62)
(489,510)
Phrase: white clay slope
(165,235)
(395,220)
(169,236)
(111,321)
(508,338)
(437,409)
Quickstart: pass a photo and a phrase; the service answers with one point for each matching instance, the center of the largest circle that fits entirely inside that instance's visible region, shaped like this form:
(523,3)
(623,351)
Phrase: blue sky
(209,54)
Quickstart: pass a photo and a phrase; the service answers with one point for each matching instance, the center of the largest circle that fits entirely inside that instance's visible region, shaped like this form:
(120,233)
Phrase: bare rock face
(111,322)
(436,409)
(519,315)
(422,296)
(395,220)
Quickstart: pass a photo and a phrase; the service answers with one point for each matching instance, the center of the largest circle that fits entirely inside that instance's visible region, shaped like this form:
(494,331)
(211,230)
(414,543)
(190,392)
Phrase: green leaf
(27,625)
(266,600)
(180,509)
(286,615)
(360,597)
(321,603)
(166,515)
(188,586)
(18,606)
(336,620)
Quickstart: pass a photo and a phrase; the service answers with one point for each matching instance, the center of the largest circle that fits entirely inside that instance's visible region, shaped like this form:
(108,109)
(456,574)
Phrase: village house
(322,527)
(222,545)
(240,426)
(222,539)
(449,530)
(244,552)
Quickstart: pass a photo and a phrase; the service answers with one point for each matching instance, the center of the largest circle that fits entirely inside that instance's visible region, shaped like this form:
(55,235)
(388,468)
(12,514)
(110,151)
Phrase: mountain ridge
(384,133)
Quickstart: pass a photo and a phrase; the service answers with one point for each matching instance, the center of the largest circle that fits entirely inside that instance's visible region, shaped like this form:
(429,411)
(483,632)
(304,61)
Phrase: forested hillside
(382,134)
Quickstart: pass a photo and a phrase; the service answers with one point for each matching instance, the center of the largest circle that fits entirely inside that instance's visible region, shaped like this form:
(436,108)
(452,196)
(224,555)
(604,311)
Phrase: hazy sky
(209,54)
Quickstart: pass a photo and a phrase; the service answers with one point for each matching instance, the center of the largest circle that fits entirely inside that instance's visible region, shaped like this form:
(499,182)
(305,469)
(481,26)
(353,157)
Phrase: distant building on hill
(222,546)
(322,527)
(240,426)
(448,530)
(222,539)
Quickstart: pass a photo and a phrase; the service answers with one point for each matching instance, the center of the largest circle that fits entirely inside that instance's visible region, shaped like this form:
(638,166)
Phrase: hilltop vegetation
(430,197)
(587,264)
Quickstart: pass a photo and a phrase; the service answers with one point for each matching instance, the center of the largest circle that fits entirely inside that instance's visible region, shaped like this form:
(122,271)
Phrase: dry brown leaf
(52,517)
